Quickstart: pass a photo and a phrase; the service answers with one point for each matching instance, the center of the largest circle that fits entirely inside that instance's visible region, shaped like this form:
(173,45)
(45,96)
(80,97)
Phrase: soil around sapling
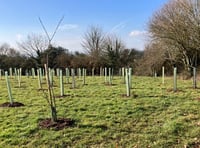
(14,104)
(60,124)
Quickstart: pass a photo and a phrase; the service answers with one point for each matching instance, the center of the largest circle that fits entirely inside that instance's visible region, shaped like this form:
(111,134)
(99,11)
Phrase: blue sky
(126,18)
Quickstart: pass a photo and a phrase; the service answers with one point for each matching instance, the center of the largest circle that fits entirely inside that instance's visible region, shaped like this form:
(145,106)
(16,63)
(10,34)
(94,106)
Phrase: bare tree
(176,25)
(4,48)
(93,41)
(34,46)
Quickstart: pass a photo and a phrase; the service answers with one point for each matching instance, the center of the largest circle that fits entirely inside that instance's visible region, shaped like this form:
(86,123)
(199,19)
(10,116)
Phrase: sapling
(9,88)
(51,98)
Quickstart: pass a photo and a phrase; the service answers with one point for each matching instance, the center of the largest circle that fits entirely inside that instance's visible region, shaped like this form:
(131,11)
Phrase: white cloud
(68,26)
(136,33)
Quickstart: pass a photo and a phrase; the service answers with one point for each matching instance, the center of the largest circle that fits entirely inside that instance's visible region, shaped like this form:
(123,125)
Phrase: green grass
(154,116)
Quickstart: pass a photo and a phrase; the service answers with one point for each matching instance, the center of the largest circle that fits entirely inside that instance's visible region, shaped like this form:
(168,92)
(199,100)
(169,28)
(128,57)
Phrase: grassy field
(154,116)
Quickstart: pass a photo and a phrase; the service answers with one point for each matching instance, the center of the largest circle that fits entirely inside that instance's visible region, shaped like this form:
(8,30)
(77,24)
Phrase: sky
(127,19)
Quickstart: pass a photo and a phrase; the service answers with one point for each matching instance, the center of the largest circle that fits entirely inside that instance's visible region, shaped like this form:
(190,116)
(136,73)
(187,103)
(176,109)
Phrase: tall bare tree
(34,46)
(177,26)
(93,41)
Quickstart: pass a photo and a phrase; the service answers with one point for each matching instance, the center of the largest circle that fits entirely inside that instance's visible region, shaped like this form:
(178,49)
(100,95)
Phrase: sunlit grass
(154,116)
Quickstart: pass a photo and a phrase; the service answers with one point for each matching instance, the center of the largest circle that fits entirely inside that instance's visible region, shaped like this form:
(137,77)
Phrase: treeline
(59,57)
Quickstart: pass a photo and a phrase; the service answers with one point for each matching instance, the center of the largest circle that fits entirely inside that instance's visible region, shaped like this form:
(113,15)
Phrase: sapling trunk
(51,97)
(9,88)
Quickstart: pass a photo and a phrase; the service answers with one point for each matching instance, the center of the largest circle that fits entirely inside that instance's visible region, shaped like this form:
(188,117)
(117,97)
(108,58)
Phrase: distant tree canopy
(105,50)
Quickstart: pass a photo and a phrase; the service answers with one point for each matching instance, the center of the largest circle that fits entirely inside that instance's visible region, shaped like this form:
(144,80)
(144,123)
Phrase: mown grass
(154,116)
